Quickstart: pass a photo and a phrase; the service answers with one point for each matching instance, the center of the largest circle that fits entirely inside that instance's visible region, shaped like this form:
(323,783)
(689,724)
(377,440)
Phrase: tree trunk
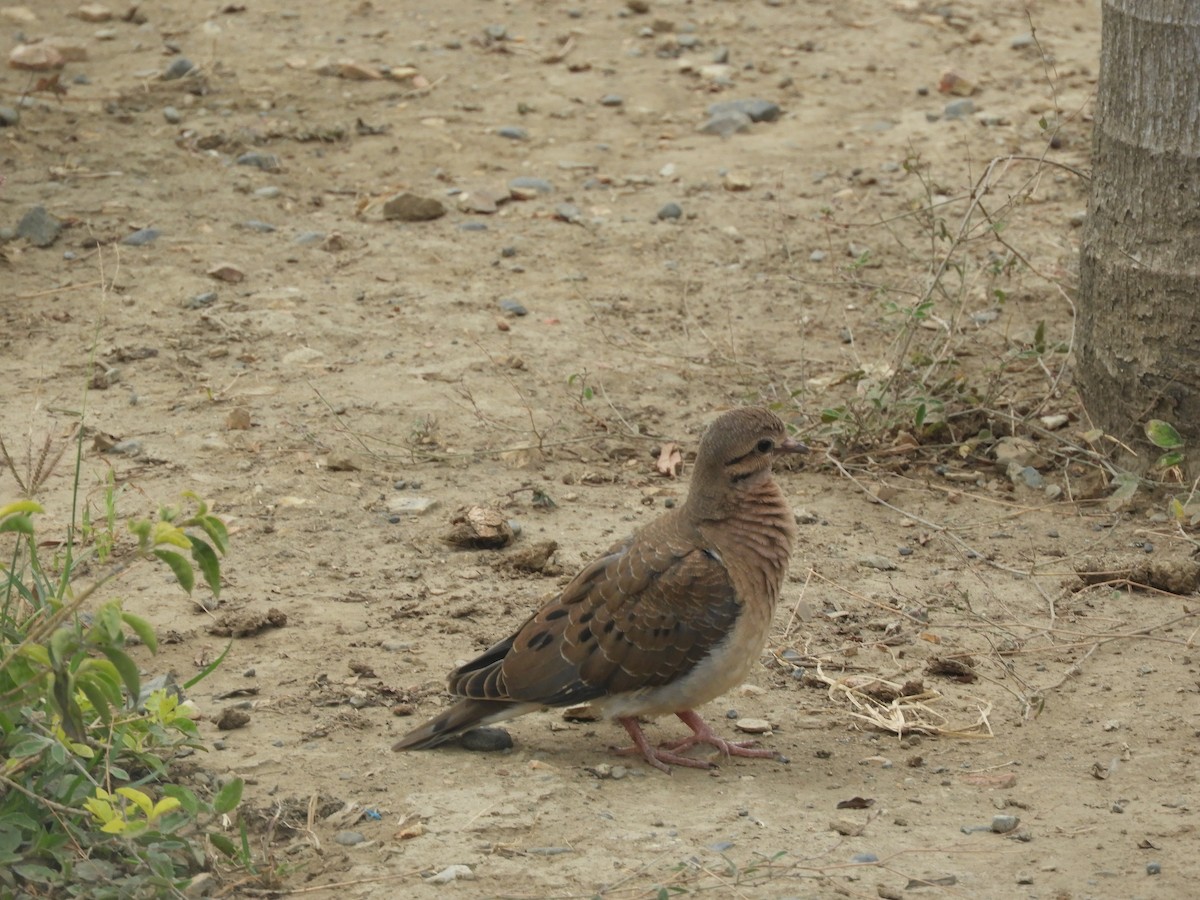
(1138,352)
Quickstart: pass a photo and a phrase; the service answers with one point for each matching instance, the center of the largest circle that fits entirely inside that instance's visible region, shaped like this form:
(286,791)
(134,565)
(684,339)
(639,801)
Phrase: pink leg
(702,733)
(657,757)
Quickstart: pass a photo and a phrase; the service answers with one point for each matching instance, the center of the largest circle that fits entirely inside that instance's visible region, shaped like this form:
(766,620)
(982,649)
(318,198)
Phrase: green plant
(89,805)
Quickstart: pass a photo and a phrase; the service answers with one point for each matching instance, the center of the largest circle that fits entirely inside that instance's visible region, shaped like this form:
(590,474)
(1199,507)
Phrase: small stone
(875,561)
(408,207)
(526,188)
(268,162)
(1077,218)
(513,133)
(227,272)
(611,100)
(356,71)
(268,192)
(9,117)
(348,838)
(451,873)
(956,109)
(35,58)
(238,419)
(171,115)
(817,256)
(1023,42)
(233,717)
(94,12)
(1004,824)
(179,68)
(512,307)
(486,740)
(199,301)
(736,181)
(260,227)
(753,726)
(727,124)
(568,212)
(670,211)
(1153,868)
(864,858)
(141,237)
(39,227)
(411,505)
(753,109)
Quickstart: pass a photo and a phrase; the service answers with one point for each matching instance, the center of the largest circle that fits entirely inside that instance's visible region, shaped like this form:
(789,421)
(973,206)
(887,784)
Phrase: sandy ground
(362,365)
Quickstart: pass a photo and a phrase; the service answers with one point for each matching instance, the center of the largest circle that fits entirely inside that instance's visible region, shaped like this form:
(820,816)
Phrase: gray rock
(568,212)
(1153,868)
(171,114)
(757,110)
(512,307)
(513,133)
(817,256)
(670,211)
(487,740)
(875,561)
(473,226)
(956,109)
(141,237)
(260,227)
(348,838)
(208,298)
(408,207)
(269,192)
(612,100)
(727,124)
(1023,42)
(39,227)
(309,237)
(268,162)
(178,69)
(9,117)
(527,183)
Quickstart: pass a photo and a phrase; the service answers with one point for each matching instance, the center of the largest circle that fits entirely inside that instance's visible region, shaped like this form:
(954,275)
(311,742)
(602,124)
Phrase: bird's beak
(791,445)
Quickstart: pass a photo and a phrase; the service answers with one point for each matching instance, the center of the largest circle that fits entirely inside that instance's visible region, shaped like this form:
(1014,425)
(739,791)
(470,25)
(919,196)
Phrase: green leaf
(180,566)
(217,532)
(210,566)
(229,796)
(143,629)
(30,745)
(97,698)
(22,524)
(127,668)
(1163,435)
(209,669)
(224,844)
(1167,460)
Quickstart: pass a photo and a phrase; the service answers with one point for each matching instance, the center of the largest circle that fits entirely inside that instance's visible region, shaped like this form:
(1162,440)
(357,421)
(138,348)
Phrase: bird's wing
(641,616)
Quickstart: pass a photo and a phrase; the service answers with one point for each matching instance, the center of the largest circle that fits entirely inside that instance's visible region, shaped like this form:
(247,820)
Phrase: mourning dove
(663,622)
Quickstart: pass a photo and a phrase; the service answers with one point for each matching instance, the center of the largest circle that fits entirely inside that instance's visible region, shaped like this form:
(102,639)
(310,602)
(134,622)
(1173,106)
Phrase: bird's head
(734,456)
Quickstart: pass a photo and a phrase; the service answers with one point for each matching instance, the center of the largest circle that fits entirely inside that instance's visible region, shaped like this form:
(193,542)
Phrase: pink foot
(665,756)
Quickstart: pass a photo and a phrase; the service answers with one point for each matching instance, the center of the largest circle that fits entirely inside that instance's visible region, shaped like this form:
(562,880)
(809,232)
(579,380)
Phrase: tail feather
(462,716)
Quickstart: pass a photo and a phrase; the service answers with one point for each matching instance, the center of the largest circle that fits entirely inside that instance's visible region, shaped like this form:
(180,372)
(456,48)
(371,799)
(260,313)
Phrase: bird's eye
(766,445)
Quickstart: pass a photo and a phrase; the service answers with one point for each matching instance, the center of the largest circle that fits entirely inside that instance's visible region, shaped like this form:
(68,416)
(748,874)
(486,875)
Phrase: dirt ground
(351,368)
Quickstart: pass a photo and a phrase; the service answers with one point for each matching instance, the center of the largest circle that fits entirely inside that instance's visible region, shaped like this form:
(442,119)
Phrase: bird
(663,622)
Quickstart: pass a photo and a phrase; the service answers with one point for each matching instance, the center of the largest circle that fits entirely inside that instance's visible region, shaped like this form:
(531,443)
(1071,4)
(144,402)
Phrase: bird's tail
(462,716)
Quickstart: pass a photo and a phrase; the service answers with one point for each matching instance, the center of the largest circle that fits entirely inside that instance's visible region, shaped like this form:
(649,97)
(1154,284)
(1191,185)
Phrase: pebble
(268,192)
(408,207)
(755,110)
(141,237)
(513,133)
(178,69)
(1075,221)
(208,298)
(875,561)
(1022,42)
(1153,868)
(525,187)
(451,873)
(612,100)
(727,124)
(905,551)
(411,505)
(348,838)
(268,162)
(227,272)
(753,726)
(568,212)
(260,227)
(817,256)
(39,227)
(473,226)
(9,117)
(171,114)
(956,109)
(864,858)
(1004,824)
(670,211)
(512,307)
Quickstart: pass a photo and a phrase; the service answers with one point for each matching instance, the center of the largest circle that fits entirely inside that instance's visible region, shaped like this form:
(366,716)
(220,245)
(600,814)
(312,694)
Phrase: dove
(665,621)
